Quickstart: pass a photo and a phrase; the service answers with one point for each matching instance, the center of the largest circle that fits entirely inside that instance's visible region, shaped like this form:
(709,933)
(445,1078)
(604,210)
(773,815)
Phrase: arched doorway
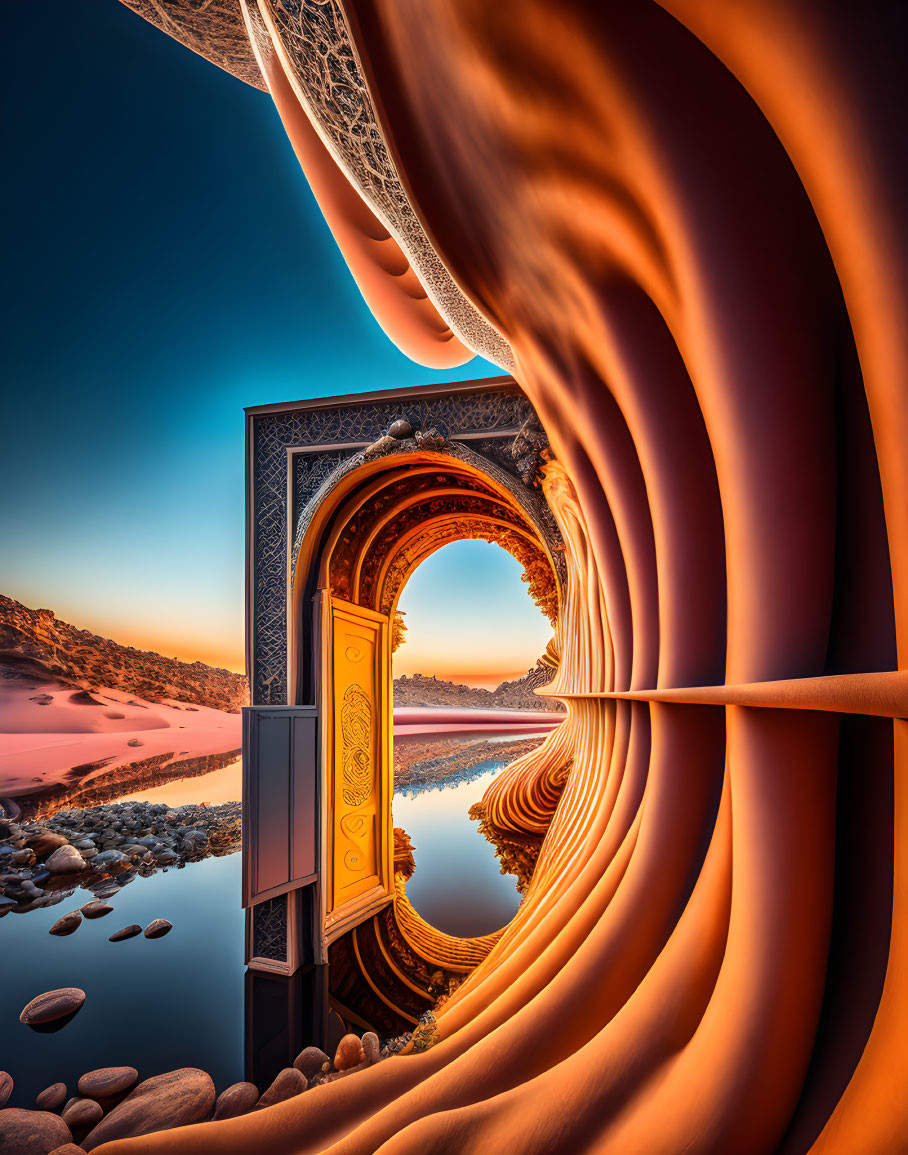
(378,521)
(360,515)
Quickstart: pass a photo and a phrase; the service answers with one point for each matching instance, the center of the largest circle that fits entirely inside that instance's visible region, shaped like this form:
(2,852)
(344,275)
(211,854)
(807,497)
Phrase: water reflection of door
(359,765)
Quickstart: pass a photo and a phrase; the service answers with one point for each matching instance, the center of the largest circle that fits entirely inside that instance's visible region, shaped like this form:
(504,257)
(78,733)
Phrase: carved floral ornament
(398,527)
(356,735)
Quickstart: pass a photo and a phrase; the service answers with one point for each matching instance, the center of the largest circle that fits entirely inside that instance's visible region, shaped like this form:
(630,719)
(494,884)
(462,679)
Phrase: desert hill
(421,690)
(37,644)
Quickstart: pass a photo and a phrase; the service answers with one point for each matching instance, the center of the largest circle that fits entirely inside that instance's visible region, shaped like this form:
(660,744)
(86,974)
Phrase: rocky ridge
(422,690)
(433,760)
(36,643)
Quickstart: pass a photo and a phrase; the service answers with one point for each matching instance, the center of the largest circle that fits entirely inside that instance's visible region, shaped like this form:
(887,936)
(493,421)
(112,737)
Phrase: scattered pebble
(158,928)
(310,1061)
(287,1084)
(236,1100)
(67,924)
(349,1054)
(126,932)
(52,1098)
(31,1132)
(96,909)
(83,1113)
(51,1005)
(66,860)
(371,1048)
(172,1100)
(107,1081)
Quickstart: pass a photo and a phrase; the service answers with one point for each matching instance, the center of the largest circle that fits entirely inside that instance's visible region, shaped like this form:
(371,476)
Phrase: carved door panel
(360,781)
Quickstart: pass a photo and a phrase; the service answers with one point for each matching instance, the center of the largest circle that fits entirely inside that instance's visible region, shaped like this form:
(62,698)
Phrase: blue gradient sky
(165,265)
(486,612)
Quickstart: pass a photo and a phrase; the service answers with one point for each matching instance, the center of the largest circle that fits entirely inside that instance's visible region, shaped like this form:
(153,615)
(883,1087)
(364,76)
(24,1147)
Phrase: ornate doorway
(335,529)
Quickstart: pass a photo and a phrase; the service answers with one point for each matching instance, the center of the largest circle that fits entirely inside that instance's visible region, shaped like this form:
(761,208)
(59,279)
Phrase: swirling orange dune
(685,223)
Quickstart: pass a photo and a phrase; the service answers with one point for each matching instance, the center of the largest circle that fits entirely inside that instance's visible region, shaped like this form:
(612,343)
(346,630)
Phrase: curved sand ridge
(685,217)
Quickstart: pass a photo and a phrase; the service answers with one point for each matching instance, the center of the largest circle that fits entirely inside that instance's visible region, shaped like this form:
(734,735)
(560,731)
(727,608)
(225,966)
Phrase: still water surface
(458,886)
(178,1001)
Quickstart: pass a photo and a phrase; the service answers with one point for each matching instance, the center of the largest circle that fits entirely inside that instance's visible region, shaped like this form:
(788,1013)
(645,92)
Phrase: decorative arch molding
(384,510)
(298,453)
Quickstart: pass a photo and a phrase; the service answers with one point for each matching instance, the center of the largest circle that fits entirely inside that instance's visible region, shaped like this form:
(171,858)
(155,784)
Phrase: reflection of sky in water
(224,785)
(178,1001)
(458,886)
(152,1004)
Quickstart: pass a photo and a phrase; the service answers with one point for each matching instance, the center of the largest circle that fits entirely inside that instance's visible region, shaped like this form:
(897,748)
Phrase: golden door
(358,771)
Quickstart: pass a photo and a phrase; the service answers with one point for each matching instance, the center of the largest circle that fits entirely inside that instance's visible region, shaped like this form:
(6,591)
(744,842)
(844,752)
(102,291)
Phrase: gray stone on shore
(288,1083)
(51,1005)
(96,909)
(6,1086)
(107,1081)
(31,1132)
(158,927)
(237,1100)
(108,858)
(82,1113)
(310,1061)
(67,924)
(66,860)
(52,1098)
(158,1104)
(126,932)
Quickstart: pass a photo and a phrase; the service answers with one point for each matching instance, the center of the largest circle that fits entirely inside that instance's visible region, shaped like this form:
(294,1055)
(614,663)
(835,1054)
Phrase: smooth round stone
(52,1098)
(83,1113)
(68,1149)
(126,932)
(107,1081)
(66,860)
(287,1084)
(52,1005)
(96,909)
(371,1048)
(45,842)
(349,1053)
(158,928)
(172,1100)
(310,1061)
(109,858)
(400,429)
(67,924)
(31,1132)
(6,1086)
(236,1100)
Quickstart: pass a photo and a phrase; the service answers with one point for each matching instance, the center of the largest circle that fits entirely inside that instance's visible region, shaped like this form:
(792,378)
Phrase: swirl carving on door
(356,732)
